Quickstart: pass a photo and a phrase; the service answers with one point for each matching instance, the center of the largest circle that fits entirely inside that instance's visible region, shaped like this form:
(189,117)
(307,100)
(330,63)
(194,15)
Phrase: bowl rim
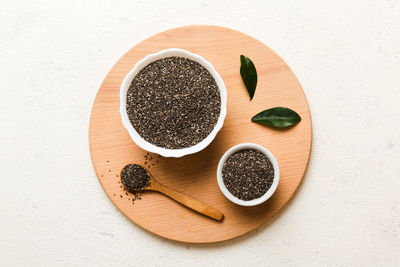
(141,142)
(267,194)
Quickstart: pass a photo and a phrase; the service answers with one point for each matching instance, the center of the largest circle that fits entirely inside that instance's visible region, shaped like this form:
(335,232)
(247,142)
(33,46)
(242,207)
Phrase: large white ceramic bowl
(267,194)
(172,52)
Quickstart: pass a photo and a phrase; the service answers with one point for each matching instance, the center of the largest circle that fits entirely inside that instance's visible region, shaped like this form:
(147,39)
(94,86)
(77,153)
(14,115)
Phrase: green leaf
(277,117)
(249,75)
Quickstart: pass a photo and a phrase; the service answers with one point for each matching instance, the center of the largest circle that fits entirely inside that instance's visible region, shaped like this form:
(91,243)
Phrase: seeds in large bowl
(248,174)
(173,103)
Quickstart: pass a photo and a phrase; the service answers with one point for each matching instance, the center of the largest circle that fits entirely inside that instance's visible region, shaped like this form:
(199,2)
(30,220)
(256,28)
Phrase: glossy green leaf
(278,117)
(249,75)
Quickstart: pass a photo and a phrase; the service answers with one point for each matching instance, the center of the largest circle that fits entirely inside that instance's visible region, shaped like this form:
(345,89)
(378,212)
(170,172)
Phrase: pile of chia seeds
(134,177)
(173,103)
(248,174)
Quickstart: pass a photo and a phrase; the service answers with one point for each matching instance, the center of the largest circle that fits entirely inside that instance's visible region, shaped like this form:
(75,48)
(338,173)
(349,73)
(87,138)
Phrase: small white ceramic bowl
(267,194)
(172,52)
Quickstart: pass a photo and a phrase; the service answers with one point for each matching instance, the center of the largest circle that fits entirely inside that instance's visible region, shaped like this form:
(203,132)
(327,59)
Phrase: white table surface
(54,56)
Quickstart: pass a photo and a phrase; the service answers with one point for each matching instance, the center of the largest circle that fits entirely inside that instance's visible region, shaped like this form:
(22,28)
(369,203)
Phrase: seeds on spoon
(135,177)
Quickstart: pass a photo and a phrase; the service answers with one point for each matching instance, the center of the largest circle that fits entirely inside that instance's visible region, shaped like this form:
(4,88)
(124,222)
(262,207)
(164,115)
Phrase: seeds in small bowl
(248,174)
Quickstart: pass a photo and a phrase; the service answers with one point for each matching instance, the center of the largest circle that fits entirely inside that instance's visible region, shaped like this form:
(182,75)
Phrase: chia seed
(248,174)
(173,103)
(134,177)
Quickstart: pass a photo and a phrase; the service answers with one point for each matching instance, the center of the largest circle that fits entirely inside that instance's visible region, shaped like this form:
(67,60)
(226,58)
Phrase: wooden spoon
(183,199)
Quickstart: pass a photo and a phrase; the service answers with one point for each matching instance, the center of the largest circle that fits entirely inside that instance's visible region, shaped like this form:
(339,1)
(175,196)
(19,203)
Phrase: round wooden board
(111,147)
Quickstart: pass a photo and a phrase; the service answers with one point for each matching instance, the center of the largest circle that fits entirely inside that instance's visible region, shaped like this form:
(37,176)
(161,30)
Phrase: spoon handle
(191,202)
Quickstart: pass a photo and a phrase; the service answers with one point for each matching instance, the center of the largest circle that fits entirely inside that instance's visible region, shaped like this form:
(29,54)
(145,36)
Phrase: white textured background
(54,56)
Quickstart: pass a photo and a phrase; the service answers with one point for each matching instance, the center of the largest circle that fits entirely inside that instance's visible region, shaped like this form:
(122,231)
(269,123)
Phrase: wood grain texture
(195,175)
(185,200)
